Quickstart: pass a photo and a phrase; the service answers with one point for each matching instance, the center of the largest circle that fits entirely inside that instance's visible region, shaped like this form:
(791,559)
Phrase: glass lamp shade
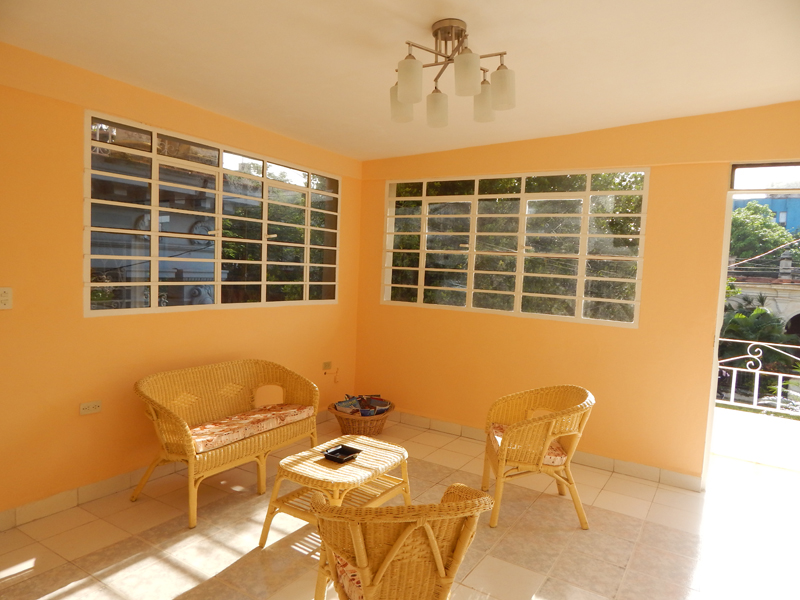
(401,112)
(437,109)
(503,89)
(482,109)
(409,80)
(468,73)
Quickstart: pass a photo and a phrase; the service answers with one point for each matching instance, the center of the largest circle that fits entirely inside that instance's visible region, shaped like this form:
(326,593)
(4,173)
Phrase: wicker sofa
(205,417)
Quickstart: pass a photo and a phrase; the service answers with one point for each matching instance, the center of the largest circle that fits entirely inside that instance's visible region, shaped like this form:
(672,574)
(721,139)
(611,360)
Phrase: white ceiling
(319,71)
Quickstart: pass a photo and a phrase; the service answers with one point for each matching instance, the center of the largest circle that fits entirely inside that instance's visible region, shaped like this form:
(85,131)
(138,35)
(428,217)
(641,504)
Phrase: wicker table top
(312,469)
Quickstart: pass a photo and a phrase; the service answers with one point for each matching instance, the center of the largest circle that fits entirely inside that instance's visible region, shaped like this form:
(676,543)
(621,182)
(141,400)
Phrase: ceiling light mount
(451,46)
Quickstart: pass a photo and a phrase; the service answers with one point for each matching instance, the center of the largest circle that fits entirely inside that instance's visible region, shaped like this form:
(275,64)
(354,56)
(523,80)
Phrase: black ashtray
(341,454)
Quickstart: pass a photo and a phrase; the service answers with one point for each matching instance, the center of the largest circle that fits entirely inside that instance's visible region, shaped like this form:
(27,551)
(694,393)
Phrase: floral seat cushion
(349,578)
(216,434)
(555,457)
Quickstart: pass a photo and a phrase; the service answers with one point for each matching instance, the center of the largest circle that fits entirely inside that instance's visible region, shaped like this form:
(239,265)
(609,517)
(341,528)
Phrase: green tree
(754,232)
(748,318)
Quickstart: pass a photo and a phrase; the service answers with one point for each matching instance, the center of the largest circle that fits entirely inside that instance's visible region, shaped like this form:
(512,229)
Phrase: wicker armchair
(536,431)
(397,552)
(177,401)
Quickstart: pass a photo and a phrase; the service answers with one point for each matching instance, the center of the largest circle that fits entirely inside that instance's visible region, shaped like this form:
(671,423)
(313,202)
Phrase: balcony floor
(756,438)
(646,541)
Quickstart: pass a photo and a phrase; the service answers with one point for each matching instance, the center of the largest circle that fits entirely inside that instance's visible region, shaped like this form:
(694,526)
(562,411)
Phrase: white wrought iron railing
(762,377)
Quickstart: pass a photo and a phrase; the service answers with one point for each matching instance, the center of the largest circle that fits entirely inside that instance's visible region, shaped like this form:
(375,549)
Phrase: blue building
(785,207)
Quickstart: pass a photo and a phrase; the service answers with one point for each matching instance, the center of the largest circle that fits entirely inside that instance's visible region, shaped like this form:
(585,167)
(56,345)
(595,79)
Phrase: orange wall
(653,383)
(52,357)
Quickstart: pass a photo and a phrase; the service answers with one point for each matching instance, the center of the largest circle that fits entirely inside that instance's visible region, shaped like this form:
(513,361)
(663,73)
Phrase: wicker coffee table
(359,482)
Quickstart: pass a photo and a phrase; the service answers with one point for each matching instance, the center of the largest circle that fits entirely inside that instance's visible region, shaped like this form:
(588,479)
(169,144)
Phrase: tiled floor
(646,541)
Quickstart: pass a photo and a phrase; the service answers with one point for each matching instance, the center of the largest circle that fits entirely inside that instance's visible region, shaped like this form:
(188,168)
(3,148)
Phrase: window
(175,222)
(564,246)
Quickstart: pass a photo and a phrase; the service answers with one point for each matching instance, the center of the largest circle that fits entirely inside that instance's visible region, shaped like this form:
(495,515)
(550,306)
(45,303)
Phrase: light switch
(6,299)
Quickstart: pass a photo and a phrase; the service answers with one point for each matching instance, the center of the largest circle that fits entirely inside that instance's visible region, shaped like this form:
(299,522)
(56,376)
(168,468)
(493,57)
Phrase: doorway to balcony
(757,412)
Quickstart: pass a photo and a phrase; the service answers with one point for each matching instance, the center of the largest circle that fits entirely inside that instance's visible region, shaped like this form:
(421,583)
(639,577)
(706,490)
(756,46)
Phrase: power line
(765,253)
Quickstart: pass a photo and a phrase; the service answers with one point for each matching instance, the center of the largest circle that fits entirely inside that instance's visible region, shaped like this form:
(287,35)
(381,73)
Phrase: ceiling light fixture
(451,48)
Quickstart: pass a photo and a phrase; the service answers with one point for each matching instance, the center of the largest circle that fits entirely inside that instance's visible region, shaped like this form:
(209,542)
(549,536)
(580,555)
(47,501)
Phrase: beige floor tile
(143,516)
(470,479)
(26,562)
(13,539)
(213,589)
(590,476)
(636,586)
(555,589)
(432,495)
(627,486)
(120,559)
(435,439)
(402,431)
(671,539)
(533,547)
(206,494)
(622,504)
(65,582)
(232,481)
(587,493)
(475,466)
(163,580)
(85,539)
(102,507)
(673,568)
(209,555)
(416,450)
(600,545)
(455,460)
(329,427)
(391,439)
(164,485)
(462,592)
(504,580)
(681,499)
(466,446)
(588,573)
(534,481)
(422,469)
(282,526)
(674,517)
(262,573)
(57,523)
(614,523)
(303,587)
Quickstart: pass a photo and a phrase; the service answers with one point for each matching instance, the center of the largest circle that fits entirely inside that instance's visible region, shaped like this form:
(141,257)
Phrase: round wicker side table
(358,425)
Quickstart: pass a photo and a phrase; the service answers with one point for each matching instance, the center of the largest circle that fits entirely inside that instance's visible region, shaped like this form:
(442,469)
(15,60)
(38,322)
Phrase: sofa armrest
(173,431)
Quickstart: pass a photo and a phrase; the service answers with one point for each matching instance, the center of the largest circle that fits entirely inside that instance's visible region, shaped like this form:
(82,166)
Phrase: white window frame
(386,284)
(217,215)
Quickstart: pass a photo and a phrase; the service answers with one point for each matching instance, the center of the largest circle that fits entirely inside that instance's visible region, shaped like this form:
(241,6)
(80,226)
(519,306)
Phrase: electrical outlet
(6,298)
(327,365)
(87,408)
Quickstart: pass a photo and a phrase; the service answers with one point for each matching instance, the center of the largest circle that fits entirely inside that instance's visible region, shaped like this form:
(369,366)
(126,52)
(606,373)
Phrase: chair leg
(576,499)
(322,576)
(498,495)
(158,460)
(487,471)
(193,486)
(261,472)
(313,437)
(272,510)
(562,489)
